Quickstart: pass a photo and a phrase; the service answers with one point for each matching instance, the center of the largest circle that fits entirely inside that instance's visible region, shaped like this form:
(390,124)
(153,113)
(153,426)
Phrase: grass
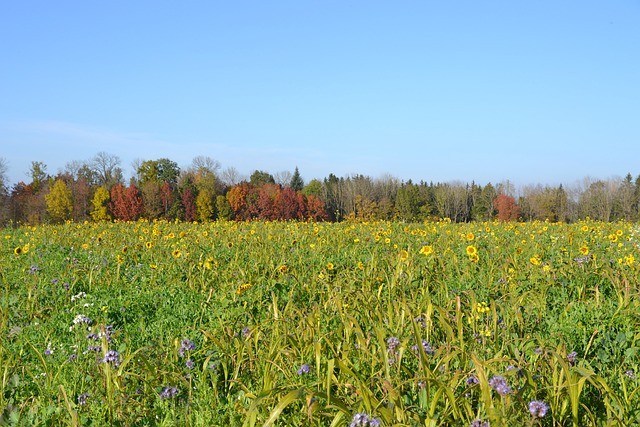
(268,323)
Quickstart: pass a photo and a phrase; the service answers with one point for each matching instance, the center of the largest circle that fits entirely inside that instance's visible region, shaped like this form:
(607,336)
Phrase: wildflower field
(320,324)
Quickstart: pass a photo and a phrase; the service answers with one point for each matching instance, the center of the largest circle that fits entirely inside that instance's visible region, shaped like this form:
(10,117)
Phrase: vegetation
(324,324)
(159,189)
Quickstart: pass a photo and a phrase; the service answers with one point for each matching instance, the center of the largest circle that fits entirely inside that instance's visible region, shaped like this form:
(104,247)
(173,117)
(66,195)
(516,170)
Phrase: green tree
(296,184)
(100,202)
(38,172)
(204,206)
(59,201)
(259,178)
(223,208)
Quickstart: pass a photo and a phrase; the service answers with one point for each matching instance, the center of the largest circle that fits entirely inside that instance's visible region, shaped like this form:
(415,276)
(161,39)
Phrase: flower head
(169,392)
(499,384)
(304,369)
(538,408)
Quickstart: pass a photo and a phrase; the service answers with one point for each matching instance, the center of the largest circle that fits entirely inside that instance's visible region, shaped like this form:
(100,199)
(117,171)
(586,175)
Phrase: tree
(223,208)
(38,173)
(204,206)
(189,205)
(59,202)
(507,208)
(126,204)
(152,200)
(106,168)
(296,183)
(259,178)
(100,202)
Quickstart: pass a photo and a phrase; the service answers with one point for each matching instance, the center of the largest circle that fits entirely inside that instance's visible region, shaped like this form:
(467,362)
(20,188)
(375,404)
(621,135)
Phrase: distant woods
(96,190)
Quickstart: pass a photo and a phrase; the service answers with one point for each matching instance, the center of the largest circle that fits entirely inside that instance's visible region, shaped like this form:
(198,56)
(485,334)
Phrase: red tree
(126,204)
(189,204)
(507,208)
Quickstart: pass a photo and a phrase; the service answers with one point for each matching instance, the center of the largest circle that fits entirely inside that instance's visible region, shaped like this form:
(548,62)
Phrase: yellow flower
(120,259)
(17,250)
(584,250)
(471,250)
(535,260)
(125,249)
(404,255)
(470,236)
(205,233)
(387,240)
(283,269)
(330,266)
(474,257)
(360,265)
(176,253)
(629,260)
(426,250)
(229,244)
(148,245)
(85,246)
(153,266)
(243,288)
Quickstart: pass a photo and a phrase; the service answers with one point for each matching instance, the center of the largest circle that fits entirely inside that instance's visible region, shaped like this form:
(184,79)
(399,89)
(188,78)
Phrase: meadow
(320,324)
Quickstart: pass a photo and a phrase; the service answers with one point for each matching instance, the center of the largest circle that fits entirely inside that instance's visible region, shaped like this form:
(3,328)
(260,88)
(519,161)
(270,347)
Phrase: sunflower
(470,236)
(584,250)
(283,269)
(426,250)
(330,266)
(176,253)
(404,255)
(471,250)
(148,245)
(17,250)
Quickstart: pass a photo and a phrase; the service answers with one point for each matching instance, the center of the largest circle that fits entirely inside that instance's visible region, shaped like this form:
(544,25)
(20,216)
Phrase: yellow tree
(204,206)
(100,201)
(59,201)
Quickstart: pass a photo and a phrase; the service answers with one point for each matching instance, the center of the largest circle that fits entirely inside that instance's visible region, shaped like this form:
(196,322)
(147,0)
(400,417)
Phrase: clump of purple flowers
(538,408)
(82,399)
(304,369)
(499,384)
(112,357)
(472,380)
(186,345)
(169,392)
(426,346)
(571,357)
(392,349)
(189,364)
(364,420)
(480,423)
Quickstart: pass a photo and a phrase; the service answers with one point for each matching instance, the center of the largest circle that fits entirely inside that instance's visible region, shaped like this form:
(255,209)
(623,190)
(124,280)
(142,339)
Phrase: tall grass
(258,323)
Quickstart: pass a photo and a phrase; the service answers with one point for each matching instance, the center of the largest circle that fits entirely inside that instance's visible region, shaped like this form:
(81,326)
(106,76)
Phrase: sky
(534,92)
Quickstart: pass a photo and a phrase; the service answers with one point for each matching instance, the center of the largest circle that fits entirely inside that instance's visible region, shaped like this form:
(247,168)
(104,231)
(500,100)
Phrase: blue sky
(541,91)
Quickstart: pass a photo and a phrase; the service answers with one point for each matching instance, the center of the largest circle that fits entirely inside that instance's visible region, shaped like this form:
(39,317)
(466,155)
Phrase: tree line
(96,190)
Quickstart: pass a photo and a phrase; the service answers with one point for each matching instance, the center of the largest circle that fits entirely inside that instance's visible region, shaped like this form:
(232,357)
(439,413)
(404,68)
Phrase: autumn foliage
(506,207)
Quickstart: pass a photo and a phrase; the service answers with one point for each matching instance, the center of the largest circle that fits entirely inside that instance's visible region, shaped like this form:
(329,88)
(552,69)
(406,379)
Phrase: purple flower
(472,380)
(538,351)
(304,369)
(364,420)
(112,357)
(245,332)
(571,357)
(33,269)
(538,408)
(82,399)
(54,281)
(480,423)
(189,364)
(73,357)
(499,384)
(169,392)
(426,346)
(186,345)
(630,374)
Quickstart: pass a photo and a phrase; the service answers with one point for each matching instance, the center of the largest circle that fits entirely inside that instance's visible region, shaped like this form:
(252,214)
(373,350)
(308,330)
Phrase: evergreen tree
(297,184)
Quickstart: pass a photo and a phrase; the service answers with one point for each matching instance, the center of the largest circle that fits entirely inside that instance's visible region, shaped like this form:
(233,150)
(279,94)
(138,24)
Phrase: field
(320,324)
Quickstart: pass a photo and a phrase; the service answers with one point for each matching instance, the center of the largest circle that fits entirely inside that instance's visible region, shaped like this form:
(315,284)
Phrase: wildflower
(148,245)
(480,423)
(538,351)
(169,392)
(571,357)
(176,253)
(584,250)
(360,265)
(471,250)
(82,399)
(426,346)
(538,408)
(470,236)
(499,384)
(283,269)
(362,419)
(112,357)
(304,369)
(189,364)
(48,351)
(34,269)
(17,250)
(426,250)
(392,345)
(186,345)
(472,380)
(330,266)
(243,288)
(630,374)
(404,255)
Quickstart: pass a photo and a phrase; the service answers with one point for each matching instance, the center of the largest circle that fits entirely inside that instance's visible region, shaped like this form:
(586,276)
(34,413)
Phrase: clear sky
(534,91)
